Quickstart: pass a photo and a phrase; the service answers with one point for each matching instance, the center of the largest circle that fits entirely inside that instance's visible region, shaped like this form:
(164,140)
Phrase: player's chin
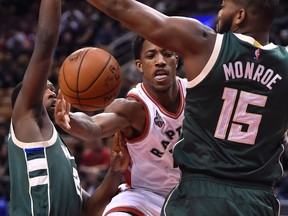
(50,109)
(164,84)
(163,88)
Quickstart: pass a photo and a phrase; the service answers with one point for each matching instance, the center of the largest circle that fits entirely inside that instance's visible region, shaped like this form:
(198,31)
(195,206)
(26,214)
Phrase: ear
(239,17)
(138,65)
(177,60)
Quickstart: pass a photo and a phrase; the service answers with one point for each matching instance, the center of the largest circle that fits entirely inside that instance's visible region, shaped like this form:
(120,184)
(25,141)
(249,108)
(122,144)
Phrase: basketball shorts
(200,195)
(137,202)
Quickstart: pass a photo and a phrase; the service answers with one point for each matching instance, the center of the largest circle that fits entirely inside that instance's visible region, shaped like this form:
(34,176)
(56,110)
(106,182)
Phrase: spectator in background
(94,163)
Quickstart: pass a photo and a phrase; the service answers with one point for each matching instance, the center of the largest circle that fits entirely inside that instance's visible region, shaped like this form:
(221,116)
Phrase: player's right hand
(61,113)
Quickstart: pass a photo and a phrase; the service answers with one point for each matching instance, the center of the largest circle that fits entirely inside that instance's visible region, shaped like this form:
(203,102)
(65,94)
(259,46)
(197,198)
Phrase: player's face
(49,99)
(158,66)
(226,16)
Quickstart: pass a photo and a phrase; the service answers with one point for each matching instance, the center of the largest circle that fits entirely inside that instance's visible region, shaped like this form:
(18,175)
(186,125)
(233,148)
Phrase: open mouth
(160,75)
(53,104)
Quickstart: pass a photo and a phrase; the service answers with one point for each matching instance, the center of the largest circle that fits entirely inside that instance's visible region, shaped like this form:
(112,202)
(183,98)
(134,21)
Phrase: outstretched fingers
(120,157)
(61,113)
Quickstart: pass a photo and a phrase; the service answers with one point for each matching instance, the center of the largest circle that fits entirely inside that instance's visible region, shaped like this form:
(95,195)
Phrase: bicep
(186,36)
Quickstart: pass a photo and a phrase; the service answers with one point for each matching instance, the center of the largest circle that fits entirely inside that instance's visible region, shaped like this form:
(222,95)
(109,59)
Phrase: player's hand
(120,157)
(61,113)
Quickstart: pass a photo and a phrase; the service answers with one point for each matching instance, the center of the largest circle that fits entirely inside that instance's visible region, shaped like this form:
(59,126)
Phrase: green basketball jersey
(236,113)
(44,179)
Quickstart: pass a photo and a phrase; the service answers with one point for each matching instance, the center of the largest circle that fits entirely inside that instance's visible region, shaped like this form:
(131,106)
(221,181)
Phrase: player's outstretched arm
(115,117)
(120,159)
(180,34)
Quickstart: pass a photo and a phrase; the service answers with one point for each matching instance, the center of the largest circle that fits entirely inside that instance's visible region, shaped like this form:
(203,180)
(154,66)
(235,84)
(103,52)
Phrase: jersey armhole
(147,122)
(211,62)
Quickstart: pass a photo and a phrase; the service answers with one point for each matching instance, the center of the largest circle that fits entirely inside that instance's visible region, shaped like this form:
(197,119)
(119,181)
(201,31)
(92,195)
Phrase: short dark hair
(15,93)
(267,9)
(137,45)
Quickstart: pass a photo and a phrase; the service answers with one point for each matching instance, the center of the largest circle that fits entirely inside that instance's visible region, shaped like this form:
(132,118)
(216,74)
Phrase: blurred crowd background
(81,26)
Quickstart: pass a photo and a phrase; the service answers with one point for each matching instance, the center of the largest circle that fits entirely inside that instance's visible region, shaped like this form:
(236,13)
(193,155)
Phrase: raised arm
(180,34)
(39,66)
(29,106)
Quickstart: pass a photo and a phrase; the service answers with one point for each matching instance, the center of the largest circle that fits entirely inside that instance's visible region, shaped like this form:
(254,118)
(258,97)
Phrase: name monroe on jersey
(252,71)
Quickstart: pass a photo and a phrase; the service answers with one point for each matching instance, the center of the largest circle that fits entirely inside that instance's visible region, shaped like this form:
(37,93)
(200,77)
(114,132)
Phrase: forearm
(83,127)
(38,69)
(48,29)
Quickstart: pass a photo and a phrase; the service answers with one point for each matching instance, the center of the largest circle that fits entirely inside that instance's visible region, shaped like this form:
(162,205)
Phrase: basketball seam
(96,78)
(78,75)
(105,98)
(99,96)
(99,74)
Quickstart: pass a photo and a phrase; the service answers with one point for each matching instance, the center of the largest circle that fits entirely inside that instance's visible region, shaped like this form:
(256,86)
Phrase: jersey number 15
(239,117)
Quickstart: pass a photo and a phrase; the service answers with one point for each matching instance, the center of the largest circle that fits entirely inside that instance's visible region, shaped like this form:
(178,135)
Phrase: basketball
(90,79)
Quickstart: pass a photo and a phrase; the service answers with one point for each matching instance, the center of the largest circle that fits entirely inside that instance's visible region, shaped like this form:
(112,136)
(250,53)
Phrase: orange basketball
(90,79)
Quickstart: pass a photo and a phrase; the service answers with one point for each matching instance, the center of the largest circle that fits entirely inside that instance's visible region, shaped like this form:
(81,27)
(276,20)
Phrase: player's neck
(168,99)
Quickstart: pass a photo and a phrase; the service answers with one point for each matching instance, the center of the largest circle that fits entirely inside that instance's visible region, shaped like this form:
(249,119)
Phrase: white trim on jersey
(20,144)
(37,164)
(252,41)
(39,180)
(206,70)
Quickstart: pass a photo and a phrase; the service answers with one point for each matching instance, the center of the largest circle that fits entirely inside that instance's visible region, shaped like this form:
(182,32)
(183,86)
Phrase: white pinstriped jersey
(151,155)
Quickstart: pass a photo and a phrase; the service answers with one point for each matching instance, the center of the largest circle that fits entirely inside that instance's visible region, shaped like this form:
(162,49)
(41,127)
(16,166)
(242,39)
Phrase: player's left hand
(120,157)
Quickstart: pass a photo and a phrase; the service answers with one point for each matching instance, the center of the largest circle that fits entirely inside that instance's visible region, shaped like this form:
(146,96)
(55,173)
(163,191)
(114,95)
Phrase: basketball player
(151,119)
(236,104)
(43,174)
